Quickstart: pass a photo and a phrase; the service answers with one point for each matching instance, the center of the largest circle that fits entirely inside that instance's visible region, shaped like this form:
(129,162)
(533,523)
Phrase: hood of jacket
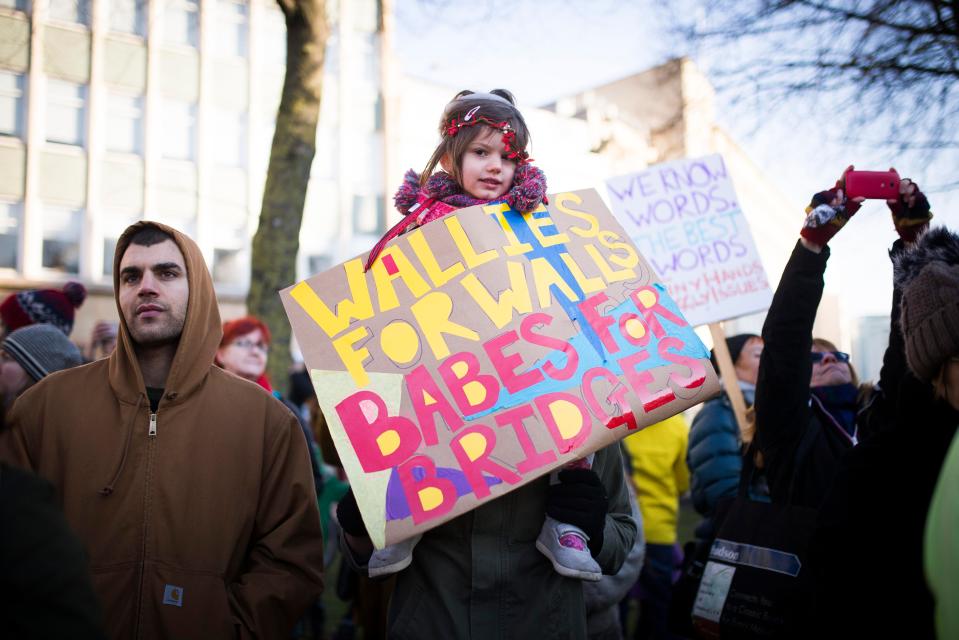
(202,329)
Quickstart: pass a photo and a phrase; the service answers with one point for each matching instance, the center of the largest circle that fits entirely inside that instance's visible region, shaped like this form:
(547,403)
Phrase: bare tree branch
(876,63)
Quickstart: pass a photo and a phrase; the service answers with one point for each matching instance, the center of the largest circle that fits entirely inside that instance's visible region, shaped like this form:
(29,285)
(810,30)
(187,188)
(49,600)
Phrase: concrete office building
(117,110)
(112,111)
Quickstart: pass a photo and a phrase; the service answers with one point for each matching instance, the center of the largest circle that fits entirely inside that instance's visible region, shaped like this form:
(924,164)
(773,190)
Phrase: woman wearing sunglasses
(870,471)
(882,493)
(870,498)
(806,392)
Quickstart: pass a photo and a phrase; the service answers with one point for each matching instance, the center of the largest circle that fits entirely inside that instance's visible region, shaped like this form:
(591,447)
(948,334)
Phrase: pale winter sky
(545,49)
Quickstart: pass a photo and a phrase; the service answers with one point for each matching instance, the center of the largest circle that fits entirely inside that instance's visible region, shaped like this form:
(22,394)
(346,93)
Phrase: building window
(181,22)
(66,112)
(229,129)
(129,16)
(61,238)
(366,214)
(274,37)
(326,160)
(125,118)
(10,216)
(228,266)
(75,11)
(114,225)
(318,263)
(179,130)
(367,50)
(19,5)
(232,27)
(12,103)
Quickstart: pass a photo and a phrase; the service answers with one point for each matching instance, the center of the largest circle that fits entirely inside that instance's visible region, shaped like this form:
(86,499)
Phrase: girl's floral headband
(509,136)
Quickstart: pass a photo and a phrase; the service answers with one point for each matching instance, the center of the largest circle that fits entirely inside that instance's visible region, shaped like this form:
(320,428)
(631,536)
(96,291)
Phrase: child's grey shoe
(565,546)
(392,559)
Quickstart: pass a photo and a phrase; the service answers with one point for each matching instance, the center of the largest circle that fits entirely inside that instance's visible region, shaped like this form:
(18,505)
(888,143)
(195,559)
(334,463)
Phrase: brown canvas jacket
(208,529)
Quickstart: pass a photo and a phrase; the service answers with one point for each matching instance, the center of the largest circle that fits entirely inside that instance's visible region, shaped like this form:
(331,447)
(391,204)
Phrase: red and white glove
(828,212)
(910,212)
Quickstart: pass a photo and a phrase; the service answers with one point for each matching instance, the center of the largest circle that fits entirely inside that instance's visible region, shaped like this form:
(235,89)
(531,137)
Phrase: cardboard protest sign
(485,349)
(685,218)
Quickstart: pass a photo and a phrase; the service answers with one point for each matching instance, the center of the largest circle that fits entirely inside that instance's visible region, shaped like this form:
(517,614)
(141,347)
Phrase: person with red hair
(244,350)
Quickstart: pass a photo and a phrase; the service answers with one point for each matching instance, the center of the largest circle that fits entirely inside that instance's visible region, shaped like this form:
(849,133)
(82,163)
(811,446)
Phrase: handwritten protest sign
(486,349)
(685,218)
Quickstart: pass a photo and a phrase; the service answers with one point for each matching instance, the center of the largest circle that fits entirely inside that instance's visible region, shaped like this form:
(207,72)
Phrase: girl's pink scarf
(441,195)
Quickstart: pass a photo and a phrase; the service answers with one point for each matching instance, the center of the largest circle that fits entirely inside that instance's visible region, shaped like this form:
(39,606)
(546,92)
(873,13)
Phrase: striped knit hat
(38,306)
(41,349)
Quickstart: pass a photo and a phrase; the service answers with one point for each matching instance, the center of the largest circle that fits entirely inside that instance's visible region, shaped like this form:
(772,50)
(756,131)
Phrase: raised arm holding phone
(861,525)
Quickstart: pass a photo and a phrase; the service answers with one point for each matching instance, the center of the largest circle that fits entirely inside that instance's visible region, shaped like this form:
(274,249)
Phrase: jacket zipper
(151,434)
(855,429)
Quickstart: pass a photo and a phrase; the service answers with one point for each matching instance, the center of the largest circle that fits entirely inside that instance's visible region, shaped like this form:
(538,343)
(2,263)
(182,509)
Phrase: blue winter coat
(714,456)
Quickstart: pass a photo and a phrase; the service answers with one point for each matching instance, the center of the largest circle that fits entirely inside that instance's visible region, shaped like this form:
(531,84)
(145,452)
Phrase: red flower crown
(509,136)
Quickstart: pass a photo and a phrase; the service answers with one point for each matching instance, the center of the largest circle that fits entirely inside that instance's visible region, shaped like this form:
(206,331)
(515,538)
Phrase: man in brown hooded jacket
(190,488)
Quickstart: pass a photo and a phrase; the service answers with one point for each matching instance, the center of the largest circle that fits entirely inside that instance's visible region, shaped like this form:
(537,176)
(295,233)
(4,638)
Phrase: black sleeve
(894,359)
(45,589)
(782,391)
(620,528)
(899,390)
(310,445)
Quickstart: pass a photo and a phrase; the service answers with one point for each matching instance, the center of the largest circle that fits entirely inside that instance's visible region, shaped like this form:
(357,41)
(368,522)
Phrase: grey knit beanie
(929,277)
(41,349)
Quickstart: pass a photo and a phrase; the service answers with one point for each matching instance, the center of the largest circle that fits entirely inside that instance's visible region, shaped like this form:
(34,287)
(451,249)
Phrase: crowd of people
(155,486)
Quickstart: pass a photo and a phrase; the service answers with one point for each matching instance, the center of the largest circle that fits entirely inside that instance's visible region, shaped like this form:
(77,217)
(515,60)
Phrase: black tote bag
(756,583)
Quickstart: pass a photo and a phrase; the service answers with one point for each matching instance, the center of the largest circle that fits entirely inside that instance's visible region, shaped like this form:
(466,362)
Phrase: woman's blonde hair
(939,382)
(826,345)
(749,433)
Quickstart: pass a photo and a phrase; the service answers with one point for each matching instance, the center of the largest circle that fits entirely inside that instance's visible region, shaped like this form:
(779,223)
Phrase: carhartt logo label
(173,594)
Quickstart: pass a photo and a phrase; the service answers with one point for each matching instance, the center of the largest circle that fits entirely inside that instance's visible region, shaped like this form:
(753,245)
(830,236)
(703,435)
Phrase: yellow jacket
(660,474)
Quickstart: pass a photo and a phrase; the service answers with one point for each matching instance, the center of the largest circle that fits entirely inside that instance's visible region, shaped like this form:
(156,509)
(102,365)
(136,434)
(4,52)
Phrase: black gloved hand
(348,515)
(580,500)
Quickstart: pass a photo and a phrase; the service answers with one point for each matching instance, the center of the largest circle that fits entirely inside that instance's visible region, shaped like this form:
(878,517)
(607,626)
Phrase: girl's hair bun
(499,93)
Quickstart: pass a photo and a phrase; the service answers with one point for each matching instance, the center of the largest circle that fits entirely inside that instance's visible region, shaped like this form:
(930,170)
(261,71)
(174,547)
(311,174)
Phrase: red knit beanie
(43,306)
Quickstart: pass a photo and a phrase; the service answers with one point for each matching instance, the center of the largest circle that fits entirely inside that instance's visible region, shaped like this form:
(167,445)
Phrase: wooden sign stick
(727,372)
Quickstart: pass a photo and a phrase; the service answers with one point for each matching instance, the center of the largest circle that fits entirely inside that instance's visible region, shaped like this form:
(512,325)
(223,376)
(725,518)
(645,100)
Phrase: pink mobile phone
(876,185)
